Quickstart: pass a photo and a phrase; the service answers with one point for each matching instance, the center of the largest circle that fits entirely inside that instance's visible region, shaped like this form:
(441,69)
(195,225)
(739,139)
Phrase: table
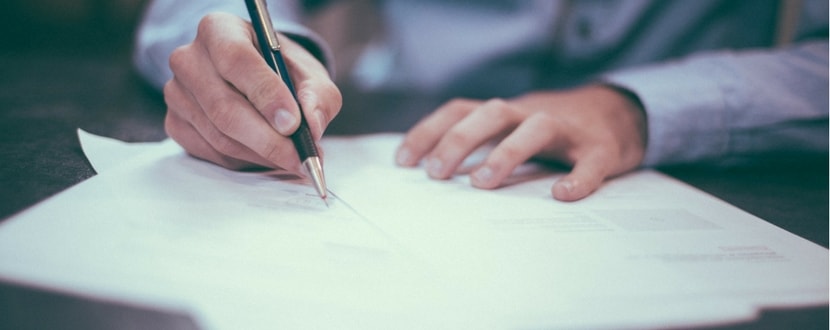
(44,98)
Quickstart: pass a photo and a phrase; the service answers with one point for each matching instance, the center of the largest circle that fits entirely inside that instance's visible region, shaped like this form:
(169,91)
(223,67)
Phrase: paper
(105,153)
(395,249)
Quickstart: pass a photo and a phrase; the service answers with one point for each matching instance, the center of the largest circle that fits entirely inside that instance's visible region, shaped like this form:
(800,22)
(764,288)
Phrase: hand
(226,105)
(597,130)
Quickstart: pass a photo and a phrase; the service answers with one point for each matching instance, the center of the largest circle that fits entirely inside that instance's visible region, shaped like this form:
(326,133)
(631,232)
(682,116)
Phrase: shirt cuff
(311,41)
(686,110)
(161,33)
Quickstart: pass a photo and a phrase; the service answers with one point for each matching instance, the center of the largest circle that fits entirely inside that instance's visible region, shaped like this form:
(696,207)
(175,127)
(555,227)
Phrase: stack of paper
(397,250)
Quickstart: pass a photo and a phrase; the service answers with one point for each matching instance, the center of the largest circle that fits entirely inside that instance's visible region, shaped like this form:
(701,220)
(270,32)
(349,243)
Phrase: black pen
(269,45)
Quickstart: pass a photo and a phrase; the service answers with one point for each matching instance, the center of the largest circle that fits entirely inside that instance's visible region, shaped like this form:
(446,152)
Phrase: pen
(269,45)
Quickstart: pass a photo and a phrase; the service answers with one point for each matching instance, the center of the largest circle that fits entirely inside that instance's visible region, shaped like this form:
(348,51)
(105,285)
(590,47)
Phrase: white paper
(106,153)
(395,249)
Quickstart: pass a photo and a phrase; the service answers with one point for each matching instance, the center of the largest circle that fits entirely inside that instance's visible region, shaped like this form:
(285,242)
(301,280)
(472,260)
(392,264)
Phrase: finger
(301,63)
(230,116)
(320,99)
(231,48)
(485,122)
(233,120)
(535,134)
(187,136)
(587,175)
(180,101)
(423,137)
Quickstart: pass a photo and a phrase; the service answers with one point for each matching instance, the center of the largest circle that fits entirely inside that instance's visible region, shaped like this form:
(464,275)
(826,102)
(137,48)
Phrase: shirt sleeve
(727,105)
(168,24)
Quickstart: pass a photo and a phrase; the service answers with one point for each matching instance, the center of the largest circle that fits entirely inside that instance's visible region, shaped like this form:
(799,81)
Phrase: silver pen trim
(315,170)
(270,35)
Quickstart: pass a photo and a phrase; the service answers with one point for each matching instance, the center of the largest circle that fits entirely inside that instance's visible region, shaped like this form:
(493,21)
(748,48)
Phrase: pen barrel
(259,30)
(282,70)
(303,142)
(302,138)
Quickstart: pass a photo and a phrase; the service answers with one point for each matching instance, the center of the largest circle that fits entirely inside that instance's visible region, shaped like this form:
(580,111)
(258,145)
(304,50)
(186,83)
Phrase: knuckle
(180,58)
(458,137)
(176,59)
(172,127)
(497,109)
(510,152)
(459,102)
(170,92)
(210,23)
(414,140)
(323,95)
(262,93)
(496,103)
(546,117)
(168,88)
(333,94)
(173,98)
(223,116)
(225,145)
(459,106)
(306,95)
(225,49)
(305,88)
(546,120)
(232,54)
(272,151)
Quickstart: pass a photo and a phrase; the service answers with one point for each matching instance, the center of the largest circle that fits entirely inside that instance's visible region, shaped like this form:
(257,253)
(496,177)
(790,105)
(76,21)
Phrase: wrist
(630,96)
(634,112)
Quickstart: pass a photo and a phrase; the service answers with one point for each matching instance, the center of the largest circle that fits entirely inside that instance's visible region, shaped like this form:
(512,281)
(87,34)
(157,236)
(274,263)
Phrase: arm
(723,106)
(706,107)
(727,106)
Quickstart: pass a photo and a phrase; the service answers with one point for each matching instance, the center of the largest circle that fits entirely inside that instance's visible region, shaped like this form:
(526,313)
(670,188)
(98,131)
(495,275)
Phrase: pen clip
(270,35)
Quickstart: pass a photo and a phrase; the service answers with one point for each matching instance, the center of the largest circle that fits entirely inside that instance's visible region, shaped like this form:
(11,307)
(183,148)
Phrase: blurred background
(77,27)
(68,25)
(64,65)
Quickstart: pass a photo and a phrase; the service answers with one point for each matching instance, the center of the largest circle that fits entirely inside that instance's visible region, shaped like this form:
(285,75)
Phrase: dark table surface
(45,97)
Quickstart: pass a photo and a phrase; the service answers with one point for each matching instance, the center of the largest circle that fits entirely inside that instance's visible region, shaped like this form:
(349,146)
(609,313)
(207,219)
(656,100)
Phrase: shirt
(714,85)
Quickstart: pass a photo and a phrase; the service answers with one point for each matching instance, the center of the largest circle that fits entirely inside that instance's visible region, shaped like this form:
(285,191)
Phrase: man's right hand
(225,104)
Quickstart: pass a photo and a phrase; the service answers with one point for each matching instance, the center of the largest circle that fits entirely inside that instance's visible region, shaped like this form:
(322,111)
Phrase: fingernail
(483,175)
(284,121)
(567,185)
(403,156)
(435,167)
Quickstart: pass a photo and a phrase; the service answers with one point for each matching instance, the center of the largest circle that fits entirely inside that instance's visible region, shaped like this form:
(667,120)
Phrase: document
(394,249)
